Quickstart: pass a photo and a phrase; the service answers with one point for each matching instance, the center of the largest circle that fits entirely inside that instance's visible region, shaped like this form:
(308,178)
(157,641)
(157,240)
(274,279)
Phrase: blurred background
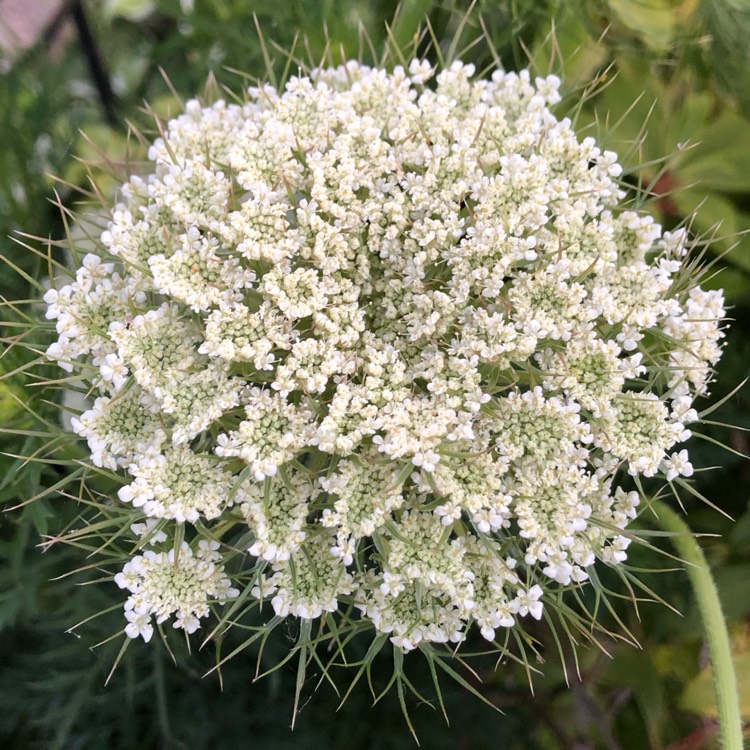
(672,98)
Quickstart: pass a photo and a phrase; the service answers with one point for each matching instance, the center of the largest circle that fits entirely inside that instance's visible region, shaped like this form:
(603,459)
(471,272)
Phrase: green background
(672,98)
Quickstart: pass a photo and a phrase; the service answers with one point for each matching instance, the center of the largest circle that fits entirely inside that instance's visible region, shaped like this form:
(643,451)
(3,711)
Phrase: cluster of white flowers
(394,331)
(180,581)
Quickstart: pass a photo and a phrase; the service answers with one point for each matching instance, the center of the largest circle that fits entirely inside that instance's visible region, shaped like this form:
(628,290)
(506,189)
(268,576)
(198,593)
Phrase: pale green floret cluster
(391,336)
(276,513)
(121,428)
(365,492)
(198,276)
(308,585)
(179,484)
(157,346)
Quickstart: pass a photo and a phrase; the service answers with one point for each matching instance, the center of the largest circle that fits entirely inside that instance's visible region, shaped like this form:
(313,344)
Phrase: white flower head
(393,338)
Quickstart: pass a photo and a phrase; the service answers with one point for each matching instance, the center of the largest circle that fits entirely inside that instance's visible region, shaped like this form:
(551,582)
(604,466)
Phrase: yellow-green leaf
(719,218)
(699,695)
(10,402)
(653,20)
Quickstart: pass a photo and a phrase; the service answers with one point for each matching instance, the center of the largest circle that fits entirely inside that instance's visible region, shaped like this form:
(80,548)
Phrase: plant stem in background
(714,624)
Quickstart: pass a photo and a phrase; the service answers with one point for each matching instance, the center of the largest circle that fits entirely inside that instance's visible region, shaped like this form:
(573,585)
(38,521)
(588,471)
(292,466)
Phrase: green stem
(714,624)
(161,699)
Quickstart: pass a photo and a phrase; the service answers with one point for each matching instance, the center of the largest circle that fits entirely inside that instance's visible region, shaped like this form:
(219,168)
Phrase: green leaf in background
(567,49)
(720,160)
(699,696)
(652,20)
(728,23)
(640,672)
(713,215)
(11,398)
(733,582)
(735,283)
(739,537)
(629,114)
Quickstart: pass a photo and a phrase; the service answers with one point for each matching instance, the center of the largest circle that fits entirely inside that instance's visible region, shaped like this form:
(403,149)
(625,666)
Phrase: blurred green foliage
(672,96)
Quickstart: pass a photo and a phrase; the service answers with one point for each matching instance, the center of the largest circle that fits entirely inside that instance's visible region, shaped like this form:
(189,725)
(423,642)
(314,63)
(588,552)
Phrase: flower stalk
(714,624)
